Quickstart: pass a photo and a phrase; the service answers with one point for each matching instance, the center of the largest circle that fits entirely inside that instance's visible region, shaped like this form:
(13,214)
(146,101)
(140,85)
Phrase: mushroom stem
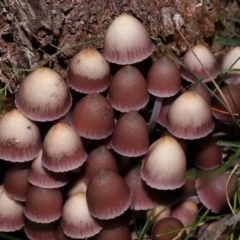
(155,113)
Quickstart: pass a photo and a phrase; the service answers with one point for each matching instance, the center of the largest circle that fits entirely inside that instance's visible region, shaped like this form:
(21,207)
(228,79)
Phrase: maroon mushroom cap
(16,181)
(208,155)
(168,228)
(232,96)
(128,90)
(93,117)
(108,190)
(100,157)
(41,177)
(143,197)
(43,205)
(211,190)
(52,99)
(130,135)
(164,79)
(89,72)
(114,229)
(40,231)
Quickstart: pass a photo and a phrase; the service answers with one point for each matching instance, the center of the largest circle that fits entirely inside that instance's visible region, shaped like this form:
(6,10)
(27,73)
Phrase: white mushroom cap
(231,60)
(20,138)
(76,220)
(89,72)
(207,59)
(189,117)
(164,166)
(43,95)
(127,41)
(62,149)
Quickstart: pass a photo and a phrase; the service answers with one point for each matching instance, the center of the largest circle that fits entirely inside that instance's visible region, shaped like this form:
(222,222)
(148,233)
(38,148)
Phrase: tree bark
(30,29)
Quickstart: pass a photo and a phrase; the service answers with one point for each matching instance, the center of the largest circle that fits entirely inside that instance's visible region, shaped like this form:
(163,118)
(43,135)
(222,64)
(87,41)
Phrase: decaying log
(30,28)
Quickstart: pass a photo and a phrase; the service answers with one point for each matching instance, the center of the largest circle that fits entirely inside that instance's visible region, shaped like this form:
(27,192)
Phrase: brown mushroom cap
(130,135)
(232,96)
(20,138)
(164,79)
(211,190)
(168,228)
(40,231)
(108,190)
(100,157)
(93,117)
(43,205)
(16,181)
(89,72)
(128,90)
(114,229)
(41,177)
(43,96)
(127,41)
(143,197)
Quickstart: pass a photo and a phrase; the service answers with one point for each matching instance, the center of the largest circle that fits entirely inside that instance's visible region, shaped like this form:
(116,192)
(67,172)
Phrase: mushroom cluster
(79,167)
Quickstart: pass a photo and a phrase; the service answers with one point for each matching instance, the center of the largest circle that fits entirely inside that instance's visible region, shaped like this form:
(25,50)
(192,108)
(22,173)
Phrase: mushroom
(143,197)
(108,190)
(52,99)
(88,72)
(41,177)
(40,231)
(164,166)
(11,213)
(93,117)
(16,181)
(213,187)
(43,205)
(207,63)
(130,135)
(72,154)
(76,221)
(20,138)
(168,228)
(126,41)
(163,80)
(100,157)
(128,90)
(189,117)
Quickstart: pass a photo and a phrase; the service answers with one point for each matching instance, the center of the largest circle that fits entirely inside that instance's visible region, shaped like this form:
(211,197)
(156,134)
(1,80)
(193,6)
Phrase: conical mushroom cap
(43,96)
(20,138)
(164,165)
(189,117)
(127,41)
